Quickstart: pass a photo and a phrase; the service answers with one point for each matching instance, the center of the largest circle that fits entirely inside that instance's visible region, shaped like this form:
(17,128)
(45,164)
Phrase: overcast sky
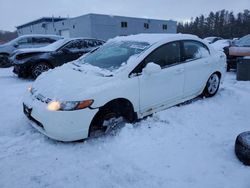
(17,12)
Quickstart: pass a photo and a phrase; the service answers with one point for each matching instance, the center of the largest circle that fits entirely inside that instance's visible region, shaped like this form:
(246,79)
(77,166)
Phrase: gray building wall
(99,26)
(104,26)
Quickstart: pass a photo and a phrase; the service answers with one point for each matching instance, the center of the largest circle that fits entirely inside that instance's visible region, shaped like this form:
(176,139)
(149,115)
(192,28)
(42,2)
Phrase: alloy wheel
(39,69)
(213,84)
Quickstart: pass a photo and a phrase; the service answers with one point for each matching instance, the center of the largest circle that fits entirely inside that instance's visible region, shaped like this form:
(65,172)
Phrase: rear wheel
(39,69)
(212,85)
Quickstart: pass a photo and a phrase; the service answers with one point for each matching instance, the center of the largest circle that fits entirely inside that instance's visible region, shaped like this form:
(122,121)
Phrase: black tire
(242,147)
(39,68)
(212,85)
(4,61)
(107,123)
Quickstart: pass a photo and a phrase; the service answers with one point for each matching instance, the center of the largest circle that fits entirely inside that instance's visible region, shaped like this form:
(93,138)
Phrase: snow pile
(191,145)
(220,44)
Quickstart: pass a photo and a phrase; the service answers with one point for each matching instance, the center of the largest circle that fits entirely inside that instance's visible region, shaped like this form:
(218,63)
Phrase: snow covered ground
(191,145)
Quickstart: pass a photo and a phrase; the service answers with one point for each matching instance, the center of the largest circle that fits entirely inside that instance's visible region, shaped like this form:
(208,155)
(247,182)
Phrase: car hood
(33,50)
(3,47)
(72,83)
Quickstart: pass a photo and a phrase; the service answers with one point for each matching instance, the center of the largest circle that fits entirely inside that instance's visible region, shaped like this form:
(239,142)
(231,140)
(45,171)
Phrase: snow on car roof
(40,35)
(154,38)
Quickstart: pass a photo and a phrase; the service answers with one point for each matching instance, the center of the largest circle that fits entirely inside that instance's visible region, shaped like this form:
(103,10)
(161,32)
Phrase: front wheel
(4,61)
(39,69)
(212,85)
(108,124)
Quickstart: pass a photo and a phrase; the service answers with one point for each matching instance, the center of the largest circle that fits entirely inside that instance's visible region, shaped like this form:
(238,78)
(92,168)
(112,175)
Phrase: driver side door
(164,88)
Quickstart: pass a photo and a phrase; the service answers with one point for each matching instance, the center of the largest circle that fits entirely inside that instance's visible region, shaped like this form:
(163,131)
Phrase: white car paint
(153,90)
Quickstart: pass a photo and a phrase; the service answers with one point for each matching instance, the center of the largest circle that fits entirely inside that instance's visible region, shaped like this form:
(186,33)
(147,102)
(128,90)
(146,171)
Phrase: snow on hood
(3,45)
(72,83)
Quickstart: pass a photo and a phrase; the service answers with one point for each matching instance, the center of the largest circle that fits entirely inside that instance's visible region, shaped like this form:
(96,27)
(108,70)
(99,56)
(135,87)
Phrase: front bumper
(5,62)
(58,125)
(21,70)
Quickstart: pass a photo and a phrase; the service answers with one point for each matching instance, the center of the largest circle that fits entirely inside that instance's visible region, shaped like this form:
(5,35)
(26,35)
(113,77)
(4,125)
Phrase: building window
(164,26)
(146,25)
(74,26)
(124,24)
(55,29)
(62,23)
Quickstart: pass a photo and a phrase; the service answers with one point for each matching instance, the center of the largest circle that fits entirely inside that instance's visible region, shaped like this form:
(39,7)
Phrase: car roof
(83,38)
(40,35)
(154,38)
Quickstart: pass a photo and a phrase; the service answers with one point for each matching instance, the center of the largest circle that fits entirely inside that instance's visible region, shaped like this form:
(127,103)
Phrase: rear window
(194,50)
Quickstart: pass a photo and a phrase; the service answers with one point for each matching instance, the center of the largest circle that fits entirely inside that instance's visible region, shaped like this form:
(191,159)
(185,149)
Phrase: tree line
(6,36)
(222,23)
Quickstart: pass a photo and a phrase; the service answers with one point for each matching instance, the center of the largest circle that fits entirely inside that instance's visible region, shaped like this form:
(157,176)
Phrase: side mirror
(151,68)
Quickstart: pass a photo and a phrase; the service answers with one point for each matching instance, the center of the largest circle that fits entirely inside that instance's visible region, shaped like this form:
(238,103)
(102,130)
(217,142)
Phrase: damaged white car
(126,79)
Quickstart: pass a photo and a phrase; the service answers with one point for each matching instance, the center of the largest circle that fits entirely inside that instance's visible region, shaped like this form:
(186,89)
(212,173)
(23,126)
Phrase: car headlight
(31,90)
(69,105)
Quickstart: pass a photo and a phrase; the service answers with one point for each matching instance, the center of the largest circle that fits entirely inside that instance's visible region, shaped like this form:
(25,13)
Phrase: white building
(97,26)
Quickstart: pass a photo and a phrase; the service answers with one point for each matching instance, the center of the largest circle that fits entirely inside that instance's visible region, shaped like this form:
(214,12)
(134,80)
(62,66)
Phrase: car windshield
(244,41)
(56,45)
(114,54)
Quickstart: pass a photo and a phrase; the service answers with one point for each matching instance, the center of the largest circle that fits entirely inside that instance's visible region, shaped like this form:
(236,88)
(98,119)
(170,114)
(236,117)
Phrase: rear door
(197,58)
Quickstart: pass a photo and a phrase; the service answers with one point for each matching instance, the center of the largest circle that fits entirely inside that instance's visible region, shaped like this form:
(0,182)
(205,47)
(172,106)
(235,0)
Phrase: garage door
(65,33)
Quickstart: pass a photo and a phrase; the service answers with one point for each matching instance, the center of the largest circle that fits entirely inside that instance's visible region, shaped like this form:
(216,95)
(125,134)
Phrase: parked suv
(127,78)
(237,49)
(33,62)
(25,41)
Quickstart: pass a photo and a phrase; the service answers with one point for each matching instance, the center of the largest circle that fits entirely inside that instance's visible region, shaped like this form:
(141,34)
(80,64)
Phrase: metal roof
(40,20)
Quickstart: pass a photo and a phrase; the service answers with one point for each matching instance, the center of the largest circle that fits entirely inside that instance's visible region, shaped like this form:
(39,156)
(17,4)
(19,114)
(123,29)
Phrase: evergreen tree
(221,23)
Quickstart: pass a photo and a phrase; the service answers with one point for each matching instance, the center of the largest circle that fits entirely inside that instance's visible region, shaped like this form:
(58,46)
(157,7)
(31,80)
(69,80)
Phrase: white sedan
(126,79)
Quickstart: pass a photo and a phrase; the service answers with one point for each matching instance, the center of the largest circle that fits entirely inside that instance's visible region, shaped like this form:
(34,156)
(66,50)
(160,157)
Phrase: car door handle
(179,71)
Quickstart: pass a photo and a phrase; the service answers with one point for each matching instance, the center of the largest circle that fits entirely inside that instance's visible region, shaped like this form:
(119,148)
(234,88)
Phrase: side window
(74,46)
(90,43)
(42,40)
(194,50)
(24,41)
(165,55)
(97,43)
